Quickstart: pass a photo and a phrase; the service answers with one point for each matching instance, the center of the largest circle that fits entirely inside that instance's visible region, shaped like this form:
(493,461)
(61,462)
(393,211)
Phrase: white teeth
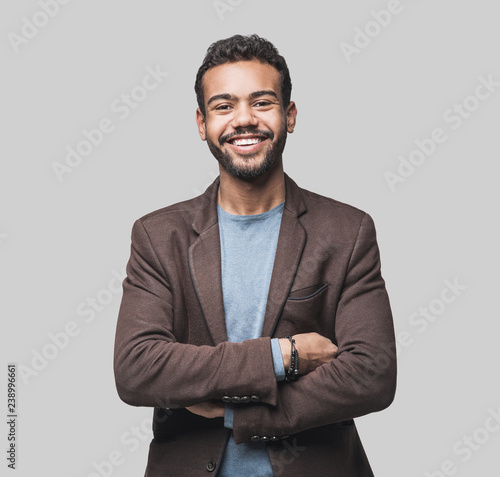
(246,142)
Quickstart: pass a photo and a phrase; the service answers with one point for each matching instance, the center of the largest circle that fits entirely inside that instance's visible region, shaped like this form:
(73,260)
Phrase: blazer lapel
(205,264)
(291,241)
(205,260)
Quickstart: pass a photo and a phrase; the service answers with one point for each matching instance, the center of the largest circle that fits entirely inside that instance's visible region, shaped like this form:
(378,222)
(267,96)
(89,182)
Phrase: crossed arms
(314,350)
(152,368)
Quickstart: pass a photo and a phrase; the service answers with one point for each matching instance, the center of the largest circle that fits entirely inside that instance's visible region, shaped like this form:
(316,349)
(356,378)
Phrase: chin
(245,167)
(247,173)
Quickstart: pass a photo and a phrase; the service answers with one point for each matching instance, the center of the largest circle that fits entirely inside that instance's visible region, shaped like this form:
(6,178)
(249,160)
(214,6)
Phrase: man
(254,317)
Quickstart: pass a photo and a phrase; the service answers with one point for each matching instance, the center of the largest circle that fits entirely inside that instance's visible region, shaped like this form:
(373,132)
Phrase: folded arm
(153,369)
(362,377)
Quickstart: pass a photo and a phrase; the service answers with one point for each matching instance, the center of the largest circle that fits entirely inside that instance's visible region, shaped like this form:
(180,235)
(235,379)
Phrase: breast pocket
(304,310)
(307,292)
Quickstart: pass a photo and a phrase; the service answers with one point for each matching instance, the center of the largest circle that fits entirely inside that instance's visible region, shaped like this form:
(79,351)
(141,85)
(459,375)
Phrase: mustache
(249,131)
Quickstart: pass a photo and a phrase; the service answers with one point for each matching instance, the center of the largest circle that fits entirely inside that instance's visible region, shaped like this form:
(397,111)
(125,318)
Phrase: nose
(243,116)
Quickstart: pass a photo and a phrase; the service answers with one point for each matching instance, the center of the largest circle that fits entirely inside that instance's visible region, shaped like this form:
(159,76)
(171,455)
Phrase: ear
(291,116)
(200,121)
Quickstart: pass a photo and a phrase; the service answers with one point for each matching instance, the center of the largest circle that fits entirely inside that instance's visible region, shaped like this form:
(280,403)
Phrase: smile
(247,142)
(247,145)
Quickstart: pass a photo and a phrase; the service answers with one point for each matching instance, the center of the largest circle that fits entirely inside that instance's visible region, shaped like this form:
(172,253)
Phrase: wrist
(293,369)
(285,351)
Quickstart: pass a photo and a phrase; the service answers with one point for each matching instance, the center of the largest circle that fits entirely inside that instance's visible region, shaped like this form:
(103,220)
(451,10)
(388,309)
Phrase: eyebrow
(255,94)
(265,92)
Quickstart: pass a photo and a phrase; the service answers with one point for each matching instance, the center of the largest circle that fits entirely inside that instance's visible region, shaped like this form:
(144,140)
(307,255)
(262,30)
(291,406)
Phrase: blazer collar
(206,216)
(205,259)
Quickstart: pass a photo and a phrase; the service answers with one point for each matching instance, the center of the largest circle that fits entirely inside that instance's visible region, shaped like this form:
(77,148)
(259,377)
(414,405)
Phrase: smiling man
(254,317)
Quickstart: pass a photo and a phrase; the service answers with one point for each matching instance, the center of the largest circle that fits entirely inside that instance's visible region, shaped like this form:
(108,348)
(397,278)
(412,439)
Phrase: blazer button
(235,399)
(275,438)
(264,438)
(245,399)
(226,399)
(255,398)
(255,438)
(211,465)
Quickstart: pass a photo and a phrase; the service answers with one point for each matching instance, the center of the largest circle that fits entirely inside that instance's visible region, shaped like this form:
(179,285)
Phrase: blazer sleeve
(153,369)
(361,380)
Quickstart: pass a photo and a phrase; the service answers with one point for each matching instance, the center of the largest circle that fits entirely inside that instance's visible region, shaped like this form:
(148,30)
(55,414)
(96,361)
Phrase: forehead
(241,78)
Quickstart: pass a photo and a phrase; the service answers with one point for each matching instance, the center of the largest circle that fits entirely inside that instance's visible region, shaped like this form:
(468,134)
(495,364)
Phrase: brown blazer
(171,348)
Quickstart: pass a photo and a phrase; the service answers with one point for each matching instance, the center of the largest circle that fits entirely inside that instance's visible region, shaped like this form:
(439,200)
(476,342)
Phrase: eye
(262,103)
(222,107)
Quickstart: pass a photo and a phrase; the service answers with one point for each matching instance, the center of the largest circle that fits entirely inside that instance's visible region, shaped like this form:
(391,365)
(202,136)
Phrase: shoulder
(172,212)
(327,218)
(175,220)
(324,205)
(325,213)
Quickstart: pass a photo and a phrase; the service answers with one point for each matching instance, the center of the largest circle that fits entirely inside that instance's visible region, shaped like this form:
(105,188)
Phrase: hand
(209,409)
(314,350)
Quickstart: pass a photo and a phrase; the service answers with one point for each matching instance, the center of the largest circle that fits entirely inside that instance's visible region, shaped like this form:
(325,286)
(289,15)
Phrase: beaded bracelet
(293,370)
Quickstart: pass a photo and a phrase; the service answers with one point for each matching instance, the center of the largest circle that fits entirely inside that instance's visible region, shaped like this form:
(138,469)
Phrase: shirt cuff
(279,367)
(228,416)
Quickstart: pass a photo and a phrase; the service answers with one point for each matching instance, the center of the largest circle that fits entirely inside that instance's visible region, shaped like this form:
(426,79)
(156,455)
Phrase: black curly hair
(243,48)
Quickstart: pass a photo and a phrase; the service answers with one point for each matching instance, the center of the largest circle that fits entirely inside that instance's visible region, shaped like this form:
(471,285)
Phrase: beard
(247,171)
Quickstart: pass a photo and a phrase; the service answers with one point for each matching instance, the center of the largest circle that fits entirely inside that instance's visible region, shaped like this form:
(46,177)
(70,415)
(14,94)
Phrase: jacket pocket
(304,311)
(307,292)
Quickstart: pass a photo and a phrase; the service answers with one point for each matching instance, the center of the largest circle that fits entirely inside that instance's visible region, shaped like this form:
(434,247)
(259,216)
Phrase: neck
(249,197)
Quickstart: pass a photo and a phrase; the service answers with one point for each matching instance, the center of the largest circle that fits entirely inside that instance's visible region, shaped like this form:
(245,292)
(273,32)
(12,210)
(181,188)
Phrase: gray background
(61,241)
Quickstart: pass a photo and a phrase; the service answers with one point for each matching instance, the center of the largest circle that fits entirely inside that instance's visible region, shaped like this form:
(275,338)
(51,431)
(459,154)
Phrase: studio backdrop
(398,114)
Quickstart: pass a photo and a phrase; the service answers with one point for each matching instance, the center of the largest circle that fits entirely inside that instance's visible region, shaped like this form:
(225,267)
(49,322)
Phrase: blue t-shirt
(248,247)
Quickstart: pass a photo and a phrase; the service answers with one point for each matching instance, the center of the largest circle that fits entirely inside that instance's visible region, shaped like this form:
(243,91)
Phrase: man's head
(243,89)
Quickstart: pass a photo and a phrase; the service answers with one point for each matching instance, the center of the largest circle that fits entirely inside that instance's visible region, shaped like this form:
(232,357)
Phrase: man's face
(246,122)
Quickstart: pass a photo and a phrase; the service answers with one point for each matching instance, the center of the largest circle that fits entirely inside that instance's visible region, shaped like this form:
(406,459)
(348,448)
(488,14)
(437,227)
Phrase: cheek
(215,128)
(276,124)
